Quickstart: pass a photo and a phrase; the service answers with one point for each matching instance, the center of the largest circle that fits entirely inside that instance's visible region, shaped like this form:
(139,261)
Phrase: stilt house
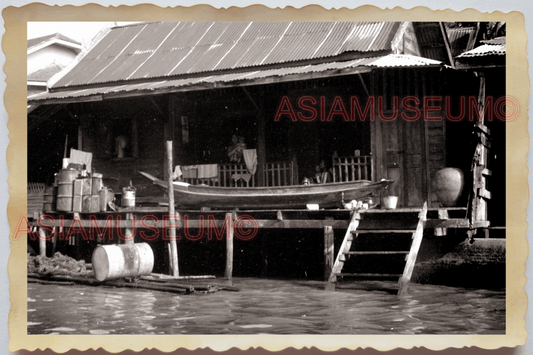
(372,100)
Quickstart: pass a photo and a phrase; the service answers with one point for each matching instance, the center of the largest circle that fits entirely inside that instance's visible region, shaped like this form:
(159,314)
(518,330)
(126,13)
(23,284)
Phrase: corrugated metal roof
(354,66)
(495,41)
(459,38)
(158,50)
(484,50)
(431,40)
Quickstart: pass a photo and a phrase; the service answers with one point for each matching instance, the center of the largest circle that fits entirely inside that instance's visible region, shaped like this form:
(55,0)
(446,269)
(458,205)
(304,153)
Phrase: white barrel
(122,260)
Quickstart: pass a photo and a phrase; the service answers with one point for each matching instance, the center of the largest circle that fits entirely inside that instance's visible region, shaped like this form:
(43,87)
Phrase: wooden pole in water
(172,214)
(42,242)
(329,256)
(229,246)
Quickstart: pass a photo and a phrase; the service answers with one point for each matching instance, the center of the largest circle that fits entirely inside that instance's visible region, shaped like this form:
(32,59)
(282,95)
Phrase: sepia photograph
(254,178)
(267,178)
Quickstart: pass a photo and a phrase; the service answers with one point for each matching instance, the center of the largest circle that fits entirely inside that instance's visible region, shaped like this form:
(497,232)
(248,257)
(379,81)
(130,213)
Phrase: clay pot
(448,184)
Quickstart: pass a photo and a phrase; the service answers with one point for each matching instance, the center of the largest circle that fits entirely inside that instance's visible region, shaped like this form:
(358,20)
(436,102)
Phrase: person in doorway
(235,149)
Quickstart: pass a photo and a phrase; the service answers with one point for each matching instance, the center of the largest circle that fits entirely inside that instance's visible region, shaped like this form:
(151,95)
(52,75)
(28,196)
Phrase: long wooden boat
(325,195)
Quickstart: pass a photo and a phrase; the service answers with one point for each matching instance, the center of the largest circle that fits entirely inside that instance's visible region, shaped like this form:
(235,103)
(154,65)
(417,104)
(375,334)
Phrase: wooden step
(384,231)
(368,275)
(375,252)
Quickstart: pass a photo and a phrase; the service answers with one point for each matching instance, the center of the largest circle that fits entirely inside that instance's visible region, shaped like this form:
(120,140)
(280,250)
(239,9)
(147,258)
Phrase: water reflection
(267,306)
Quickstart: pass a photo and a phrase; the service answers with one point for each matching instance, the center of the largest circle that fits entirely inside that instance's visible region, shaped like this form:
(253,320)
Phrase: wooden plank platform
(263,219)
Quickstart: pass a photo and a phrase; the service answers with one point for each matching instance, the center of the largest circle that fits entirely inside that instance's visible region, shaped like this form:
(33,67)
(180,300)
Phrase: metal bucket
(65,184)
(124,260)
(128,196)
(389,202)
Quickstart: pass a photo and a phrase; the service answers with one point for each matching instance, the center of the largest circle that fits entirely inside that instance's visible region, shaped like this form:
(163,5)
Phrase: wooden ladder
(380,226)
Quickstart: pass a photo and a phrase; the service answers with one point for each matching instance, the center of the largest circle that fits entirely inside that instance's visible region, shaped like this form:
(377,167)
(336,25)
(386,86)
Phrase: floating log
(167,284)
(148,287)
(45,282)
(194,284)
(170,277)
(140,284)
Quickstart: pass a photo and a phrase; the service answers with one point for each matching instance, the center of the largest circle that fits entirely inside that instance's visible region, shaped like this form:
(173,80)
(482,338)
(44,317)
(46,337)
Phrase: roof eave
(74,46)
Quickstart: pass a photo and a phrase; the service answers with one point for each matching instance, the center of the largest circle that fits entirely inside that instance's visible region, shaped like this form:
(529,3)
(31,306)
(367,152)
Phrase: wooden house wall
(408,151)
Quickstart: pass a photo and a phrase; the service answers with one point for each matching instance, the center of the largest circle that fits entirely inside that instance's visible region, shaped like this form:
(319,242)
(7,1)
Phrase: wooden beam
(209,86)
(158,108)
(482,128)
(482,192)
(30,108)
(486,172)
(447,44)
(364,85)
(251,99)
(67,100)
(43,117)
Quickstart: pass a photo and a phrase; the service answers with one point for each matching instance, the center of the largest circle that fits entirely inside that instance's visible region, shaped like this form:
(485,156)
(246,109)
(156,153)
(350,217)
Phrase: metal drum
(106,196)
(124,260)
(65,184)
(49,202)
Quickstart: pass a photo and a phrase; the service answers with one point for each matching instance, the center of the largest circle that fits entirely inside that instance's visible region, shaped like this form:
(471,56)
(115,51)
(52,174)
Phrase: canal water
(267,306)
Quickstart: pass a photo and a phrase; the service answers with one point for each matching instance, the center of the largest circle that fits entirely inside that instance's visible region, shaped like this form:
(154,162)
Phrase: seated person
(322,173)
(235,149)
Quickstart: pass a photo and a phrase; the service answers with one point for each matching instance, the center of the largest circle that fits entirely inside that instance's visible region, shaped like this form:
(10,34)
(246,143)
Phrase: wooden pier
(154,222)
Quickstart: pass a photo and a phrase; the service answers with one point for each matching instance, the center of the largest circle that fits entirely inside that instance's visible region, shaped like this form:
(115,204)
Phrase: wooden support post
(261,144)
(134,138)
(329,256)
(80,137)
(172,214)
(42,242)
(128,233)
(440,232)
(480,196)
(54,240)
(74,239)
(229,246)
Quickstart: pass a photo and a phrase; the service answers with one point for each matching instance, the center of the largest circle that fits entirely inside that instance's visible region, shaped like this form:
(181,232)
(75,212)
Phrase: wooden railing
(237,175)
(279,173)
(352,168)
(228,175)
